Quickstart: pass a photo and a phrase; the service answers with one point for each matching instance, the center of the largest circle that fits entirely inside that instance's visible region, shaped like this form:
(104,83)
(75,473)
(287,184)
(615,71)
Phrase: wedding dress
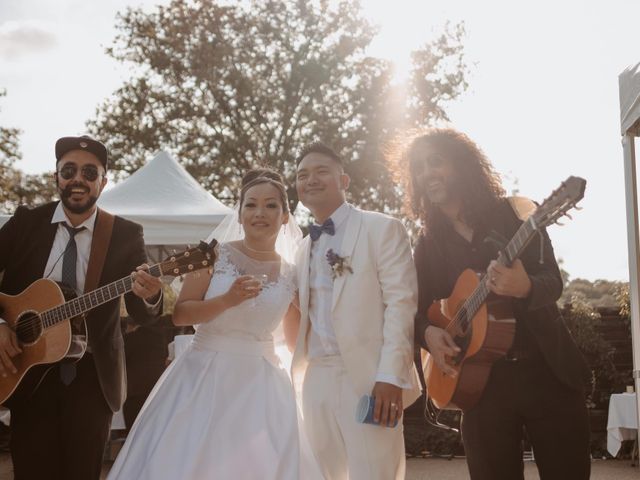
(225,409)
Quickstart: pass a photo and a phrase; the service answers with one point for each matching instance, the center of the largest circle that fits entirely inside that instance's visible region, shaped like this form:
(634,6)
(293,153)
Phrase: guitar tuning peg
(559,223)
(568,216)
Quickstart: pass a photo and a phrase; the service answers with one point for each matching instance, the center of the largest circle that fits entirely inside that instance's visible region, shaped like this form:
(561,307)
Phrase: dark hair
(319,147)
(258,176)
(475,177)
(261,172)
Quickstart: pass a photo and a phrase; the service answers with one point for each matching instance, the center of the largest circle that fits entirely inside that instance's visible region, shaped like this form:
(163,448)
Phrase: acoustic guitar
(483,327)
(46,314)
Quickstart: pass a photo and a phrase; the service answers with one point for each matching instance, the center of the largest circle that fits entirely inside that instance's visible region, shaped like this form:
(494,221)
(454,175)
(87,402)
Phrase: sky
(542,101)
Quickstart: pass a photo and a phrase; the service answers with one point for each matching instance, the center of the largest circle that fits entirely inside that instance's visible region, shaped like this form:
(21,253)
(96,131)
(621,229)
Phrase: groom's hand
(388,407)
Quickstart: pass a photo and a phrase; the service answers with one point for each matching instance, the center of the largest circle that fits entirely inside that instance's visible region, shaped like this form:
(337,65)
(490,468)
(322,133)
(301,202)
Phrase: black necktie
(70,258)
(69,261)
(316,230)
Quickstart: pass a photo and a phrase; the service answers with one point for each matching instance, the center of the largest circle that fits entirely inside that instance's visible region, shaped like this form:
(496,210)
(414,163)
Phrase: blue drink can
(364,411)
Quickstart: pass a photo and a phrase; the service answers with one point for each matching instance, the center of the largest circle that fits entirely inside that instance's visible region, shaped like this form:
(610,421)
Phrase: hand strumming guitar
(441,346)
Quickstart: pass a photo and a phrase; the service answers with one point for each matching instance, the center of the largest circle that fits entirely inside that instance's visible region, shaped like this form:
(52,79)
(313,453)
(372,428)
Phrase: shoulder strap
(99,246)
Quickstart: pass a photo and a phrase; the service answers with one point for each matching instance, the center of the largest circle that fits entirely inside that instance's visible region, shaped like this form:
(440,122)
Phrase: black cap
(85,142)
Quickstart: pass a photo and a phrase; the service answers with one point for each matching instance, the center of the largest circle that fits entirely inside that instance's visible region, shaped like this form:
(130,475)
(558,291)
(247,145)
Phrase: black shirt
(443,254)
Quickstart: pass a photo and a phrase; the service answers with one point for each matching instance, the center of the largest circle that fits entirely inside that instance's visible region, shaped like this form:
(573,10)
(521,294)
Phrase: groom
(358,294)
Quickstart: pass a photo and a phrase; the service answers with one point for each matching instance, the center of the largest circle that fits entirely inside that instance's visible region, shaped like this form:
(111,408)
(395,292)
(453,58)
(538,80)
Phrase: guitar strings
(34,322)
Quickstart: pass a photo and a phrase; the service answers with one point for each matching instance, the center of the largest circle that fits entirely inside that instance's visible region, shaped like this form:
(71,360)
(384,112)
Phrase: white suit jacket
(373,308)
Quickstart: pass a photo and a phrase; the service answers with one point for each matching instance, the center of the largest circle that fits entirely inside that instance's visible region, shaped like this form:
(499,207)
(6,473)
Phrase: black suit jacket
(538,316)
(25,244)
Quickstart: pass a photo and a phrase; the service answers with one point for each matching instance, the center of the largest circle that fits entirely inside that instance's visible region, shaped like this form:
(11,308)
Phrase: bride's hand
(242,289)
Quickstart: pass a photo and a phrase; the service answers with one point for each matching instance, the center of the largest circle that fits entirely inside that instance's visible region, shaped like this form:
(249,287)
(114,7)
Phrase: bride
(225,409)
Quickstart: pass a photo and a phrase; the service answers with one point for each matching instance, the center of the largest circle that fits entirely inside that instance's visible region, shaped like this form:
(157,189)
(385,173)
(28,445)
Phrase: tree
(601,293)
(9,154)
(16,187)
(228,87)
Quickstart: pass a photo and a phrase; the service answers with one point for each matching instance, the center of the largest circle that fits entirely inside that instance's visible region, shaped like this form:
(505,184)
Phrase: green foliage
(9,143)
(9,154)
(622,299)
(169,300)
(583,321)
(228,86)
(601,293)
(17,187)
(29,189)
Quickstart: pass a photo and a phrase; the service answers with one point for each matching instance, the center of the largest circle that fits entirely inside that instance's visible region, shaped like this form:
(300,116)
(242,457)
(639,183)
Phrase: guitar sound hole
(29,328)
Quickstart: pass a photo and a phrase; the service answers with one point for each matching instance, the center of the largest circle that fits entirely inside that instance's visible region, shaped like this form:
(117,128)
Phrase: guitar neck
(506,257)
(93,299)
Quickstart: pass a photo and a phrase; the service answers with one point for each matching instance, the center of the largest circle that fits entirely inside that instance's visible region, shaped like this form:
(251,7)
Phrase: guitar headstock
(561,200)
(196,258)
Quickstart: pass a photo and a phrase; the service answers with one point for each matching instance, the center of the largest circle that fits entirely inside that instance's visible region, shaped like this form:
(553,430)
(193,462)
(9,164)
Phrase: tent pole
(631,194)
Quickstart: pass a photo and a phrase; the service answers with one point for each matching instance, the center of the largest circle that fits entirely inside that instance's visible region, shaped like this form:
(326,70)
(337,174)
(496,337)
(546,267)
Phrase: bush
(584,322)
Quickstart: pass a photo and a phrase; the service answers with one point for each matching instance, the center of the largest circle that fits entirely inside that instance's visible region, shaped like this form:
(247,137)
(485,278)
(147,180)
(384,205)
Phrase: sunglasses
(89,172)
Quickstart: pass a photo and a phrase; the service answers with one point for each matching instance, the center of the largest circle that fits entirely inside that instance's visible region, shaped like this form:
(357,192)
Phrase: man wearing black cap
(60,431)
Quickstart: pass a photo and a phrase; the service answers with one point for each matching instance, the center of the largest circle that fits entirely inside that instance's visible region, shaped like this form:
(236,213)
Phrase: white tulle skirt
(215,415)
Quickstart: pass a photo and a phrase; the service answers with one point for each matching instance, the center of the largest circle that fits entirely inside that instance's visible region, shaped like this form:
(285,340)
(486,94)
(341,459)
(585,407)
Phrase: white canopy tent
(629,82)
(172,207)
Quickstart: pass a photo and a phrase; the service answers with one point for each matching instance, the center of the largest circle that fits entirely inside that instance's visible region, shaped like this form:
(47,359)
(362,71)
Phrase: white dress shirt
(84,238)
(322,338)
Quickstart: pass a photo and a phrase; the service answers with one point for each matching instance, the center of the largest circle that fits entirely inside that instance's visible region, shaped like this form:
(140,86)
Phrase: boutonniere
(339,265)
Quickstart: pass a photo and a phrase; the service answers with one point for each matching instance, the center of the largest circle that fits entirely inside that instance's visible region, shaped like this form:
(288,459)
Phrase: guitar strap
(99,246)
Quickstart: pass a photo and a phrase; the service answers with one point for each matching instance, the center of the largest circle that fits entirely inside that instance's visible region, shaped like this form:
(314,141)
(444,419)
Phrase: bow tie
(316,230)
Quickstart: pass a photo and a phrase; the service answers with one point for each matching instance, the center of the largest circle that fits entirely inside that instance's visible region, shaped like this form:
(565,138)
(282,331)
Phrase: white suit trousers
(344,448)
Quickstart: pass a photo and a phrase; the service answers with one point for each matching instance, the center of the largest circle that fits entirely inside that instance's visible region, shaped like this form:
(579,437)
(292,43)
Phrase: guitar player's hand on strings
(9,348)
(441,346)
(145,285)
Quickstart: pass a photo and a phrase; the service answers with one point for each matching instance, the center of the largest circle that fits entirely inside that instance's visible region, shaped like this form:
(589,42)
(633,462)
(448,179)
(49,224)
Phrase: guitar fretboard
(512,251)
(95,298)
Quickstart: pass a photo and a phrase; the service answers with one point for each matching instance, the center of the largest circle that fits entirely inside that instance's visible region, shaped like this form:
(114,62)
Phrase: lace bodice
(255,318)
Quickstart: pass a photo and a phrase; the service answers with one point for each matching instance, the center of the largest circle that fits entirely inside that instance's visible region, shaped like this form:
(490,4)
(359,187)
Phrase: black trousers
(525,395)
(61,431)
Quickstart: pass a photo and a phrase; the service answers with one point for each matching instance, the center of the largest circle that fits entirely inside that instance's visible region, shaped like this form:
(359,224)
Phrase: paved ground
(456,469)
(442,469)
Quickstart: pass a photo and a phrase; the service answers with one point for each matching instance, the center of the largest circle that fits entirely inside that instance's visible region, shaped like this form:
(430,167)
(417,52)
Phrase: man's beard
(76,208)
